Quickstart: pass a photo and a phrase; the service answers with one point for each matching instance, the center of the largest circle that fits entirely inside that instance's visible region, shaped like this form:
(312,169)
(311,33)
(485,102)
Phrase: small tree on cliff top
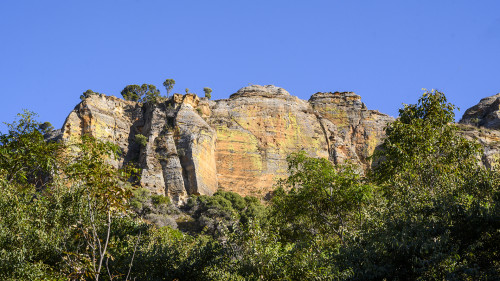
(169,85)
(208,92)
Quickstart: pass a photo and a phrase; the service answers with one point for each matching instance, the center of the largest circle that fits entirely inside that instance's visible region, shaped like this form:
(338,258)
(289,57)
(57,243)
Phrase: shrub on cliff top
(208,92)
(143,93)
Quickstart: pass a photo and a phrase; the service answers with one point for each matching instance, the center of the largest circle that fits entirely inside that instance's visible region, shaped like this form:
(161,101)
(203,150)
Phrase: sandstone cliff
(482,123)
(240,144)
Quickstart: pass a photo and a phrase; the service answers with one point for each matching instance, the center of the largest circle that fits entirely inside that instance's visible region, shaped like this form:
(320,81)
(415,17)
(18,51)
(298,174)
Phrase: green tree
(169,85)
(423,151)
(221,213)
(143,93)
(132,93)
(208,92)
(105,190)
(186,90)
(441,203)
(25,157)
(319,198)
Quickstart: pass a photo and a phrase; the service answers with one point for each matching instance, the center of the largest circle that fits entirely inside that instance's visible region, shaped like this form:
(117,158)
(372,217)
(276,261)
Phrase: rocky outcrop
(489,140)
(352,131)
(485,114)
(196,149)
(240,144)
(107,118)
(482,123)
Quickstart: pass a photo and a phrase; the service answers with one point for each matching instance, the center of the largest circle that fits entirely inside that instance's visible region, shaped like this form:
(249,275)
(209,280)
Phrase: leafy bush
(88,94)
(141,140)
(145,93)
(156,208)
(221,213)
(208,92)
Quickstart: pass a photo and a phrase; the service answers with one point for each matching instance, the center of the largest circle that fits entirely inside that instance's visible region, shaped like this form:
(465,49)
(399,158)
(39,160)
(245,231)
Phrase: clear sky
(385,51)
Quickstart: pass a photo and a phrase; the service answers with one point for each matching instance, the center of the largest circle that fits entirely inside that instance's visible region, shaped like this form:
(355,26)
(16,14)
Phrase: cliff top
(268,91)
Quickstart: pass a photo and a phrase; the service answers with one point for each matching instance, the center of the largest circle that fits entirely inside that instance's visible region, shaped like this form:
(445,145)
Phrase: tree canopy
(423,151)
(208,92)
(143,93)
(169,85)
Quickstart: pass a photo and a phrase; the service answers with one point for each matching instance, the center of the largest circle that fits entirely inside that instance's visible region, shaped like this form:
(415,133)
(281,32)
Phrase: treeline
(428,210)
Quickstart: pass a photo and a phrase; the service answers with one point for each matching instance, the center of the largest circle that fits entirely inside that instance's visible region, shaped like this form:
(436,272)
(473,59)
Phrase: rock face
(107,118)
(490,141)
(352,131)
(257,127)
(240,144)
(179,156)
(482,123)
(485,114)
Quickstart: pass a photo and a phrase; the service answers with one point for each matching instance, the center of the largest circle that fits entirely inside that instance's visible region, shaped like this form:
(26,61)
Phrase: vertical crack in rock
(152,170)
(171,168)
(331,153)
(195,145)
(354,131)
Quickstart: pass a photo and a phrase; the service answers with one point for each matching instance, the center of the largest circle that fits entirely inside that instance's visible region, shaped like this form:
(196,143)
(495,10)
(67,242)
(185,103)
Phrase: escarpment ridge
(198,146)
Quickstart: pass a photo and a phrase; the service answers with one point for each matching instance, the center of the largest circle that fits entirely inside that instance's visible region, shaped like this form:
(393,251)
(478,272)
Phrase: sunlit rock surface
(240,144)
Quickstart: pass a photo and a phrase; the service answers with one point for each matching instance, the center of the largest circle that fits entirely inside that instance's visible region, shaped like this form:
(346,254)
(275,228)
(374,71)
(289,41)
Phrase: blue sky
(385,51)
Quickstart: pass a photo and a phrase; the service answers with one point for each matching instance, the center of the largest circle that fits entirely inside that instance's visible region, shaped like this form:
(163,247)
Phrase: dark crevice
(331,152)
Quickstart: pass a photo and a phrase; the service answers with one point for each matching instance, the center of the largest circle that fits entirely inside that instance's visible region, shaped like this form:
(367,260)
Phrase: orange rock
(197,146)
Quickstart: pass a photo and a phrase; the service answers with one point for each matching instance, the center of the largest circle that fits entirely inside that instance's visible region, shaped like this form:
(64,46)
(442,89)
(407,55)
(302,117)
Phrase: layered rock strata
(240,144)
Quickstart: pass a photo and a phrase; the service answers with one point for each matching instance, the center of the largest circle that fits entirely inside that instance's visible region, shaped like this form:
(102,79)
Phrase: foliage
(25,157)
(88,94)
(105,191)
(423,156)
(141,140)
(221,213)
(319,198)
(169,85)
(30,248)
(145,93)
(154,208)
(208,92)
(435,189)
(186,90)
(45,127)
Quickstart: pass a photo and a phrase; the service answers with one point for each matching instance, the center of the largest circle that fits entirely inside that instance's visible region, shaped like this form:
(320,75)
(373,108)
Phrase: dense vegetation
(427,211)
